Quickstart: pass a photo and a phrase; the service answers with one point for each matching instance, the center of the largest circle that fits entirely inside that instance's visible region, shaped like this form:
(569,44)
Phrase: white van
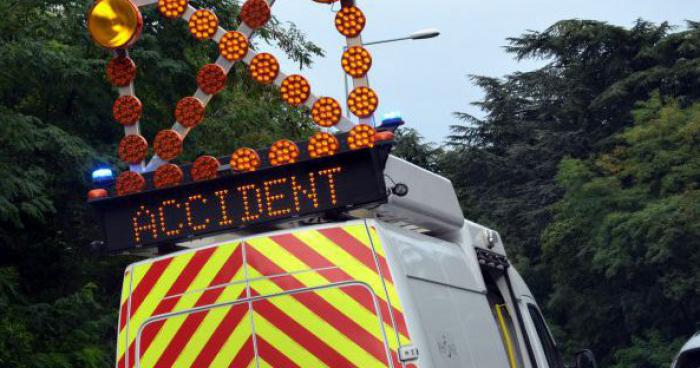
(408,284)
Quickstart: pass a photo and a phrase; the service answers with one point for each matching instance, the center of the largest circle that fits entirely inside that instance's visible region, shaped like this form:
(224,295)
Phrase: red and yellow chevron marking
(171,285)
(340,326)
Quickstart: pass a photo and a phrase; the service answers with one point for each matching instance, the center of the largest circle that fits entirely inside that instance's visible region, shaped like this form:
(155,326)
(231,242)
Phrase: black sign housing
(342,182)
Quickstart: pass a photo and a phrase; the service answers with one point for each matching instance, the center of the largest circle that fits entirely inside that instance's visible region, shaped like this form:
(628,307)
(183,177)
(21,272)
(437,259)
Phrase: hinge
(491,259)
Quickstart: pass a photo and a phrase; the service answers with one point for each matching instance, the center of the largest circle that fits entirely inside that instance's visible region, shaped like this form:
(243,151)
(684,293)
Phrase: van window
(689,360)
(550,349)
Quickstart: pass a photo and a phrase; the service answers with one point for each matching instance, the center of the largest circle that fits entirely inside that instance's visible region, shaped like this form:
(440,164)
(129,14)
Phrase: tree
(411,147)
(622,247)
(504,165)
(596,72)
(57,299)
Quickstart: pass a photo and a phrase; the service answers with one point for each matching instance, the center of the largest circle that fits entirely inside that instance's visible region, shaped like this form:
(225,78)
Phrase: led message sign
(341,182)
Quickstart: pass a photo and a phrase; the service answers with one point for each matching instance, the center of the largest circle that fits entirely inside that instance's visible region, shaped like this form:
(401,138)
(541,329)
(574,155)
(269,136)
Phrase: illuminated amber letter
(244,190)
(271,198)
(161,211)
(309,193)
(148,226)
(225,220)
(188,211)
(331,181)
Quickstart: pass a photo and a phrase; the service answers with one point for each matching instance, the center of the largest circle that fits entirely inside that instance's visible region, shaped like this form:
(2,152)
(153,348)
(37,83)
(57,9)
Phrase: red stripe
(222,333)
(356,248)
(243,357)
(192,322)
(316,261)
(272,356)
(319,306)
(180,285)
(144,287)
(395,359)
(300,334)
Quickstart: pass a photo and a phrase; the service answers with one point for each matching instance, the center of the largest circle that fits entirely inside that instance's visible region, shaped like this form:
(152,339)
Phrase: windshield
(689,359)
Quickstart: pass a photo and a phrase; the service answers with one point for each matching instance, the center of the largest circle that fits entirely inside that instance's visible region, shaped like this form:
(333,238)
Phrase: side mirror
(585,359)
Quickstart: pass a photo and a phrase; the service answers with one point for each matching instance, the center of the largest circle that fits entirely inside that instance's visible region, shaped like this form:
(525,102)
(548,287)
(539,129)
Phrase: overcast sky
(427,80)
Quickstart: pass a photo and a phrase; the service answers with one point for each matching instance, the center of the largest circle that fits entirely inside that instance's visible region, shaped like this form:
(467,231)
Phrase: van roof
(693,343)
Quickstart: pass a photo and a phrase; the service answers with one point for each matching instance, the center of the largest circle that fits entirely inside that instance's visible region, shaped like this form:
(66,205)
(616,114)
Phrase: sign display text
(342,182)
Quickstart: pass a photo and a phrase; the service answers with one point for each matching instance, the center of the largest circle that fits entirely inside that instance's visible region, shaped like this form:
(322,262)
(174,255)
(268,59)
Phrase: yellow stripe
(506,335)
(348,263)
(209,325)
(187,301)
(336,297)
(126,291)
(315,324)
(234,343)
(139,272)
(377,245)
(126,287)
(159,290)
(284,343)
(359,232)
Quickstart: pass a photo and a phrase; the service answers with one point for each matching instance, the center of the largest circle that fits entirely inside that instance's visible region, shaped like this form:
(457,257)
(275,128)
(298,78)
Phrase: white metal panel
(444,300)
(431,201)
(430,258)
(460,328)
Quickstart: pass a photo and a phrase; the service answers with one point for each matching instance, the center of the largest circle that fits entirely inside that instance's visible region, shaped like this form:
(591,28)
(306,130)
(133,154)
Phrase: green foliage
(625,236)
(410,146)
(600,218)
(58,300)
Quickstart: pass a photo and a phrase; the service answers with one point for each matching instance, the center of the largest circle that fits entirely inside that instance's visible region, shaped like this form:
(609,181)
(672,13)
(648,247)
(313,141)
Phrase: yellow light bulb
(114,23)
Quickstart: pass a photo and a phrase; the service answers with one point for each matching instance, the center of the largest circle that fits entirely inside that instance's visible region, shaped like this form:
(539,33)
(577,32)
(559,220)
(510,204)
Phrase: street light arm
(422,34)
(386,41)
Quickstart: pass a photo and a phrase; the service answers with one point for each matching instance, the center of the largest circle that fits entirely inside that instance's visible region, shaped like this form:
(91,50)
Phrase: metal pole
(386,41)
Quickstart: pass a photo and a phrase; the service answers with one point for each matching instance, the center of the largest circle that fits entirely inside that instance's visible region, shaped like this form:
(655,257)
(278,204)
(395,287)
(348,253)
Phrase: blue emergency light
(102,176)
(391,121)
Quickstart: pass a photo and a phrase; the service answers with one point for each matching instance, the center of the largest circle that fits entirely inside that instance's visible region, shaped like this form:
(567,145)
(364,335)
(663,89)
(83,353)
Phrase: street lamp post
(422,34)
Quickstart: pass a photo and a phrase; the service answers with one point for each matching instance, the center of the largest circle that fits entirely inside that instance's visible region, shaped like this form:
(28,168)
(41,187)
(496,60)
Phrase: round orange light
(97,194)
(133,149)
(211,79)
(356,61)
(264,68)
(130,182)
(114,23)
(168,144)
(121,71)
(323,144)
(167,175)
(363,102)
(245,160)
(203,24)
(127,110)
(255,13)
(172,8)
(361,136)
(295,90)
(205,168)
(234,46)
(350,21)
(326,112)
(283,152)
(189,112)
